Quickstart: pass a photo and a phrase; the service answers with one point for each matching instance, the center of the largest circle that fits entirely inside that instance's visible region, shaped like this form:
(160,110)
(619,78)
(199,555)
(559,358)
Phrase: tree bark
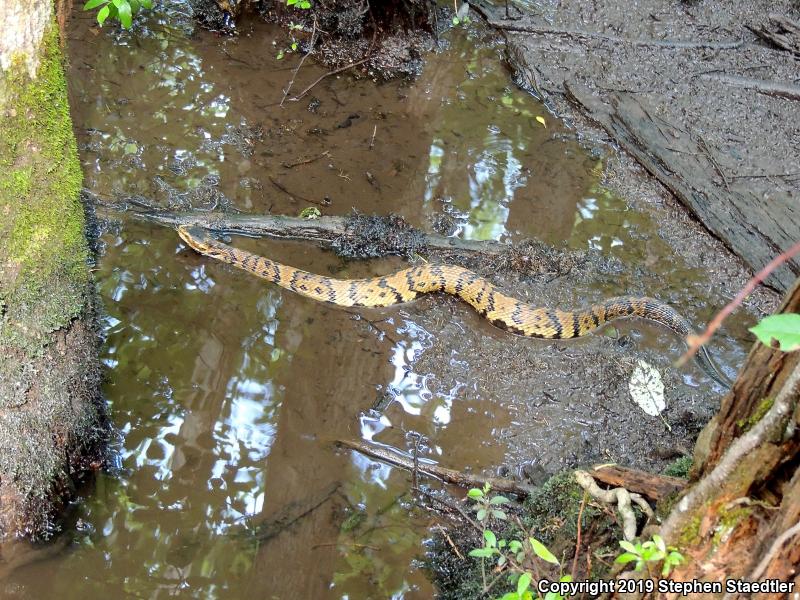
(740,519)
(50,411)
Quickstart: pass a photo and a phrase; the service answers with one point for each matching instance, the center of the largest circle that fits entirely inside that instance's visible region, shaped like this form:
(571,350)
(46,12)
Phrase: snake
(502,311)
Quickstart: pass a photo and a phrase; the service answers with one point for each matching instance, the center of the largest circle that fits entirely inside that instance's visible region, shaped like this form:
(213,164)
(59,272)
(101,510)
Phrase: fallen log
(467,480)
(655,487)
(325,231)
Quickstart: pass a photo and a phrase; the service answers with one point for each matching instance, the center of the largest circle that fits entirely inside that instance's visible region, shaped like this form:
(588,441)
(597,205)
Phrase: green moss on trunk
(51,416)
(43,252)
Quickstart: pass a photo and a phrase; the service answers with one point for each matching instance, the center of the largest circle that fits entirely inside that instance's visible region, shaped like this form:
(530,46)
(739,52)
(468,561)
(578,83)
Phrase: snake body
(504,312)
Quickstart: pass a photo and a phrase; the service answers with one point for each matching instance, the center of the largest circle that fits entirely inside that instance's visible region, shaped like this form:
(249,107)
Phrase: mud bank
(51,416)
(383,40)
(693,93)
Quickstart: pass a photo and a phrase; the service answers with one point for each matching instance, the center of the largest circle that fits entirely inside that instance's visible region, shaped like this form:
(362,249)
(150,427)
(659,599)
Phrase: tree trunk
(740,519)
(49,404)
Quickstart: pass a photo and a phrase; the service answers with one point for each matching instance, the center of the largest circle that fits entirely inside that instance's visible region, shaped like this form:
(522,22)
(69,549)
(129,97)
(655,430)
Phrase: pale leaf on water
(647,389)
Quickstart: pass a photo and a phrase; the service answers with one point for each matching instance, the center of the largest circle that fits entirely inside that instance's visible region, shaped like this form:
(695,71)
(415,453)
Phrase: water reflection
(228,393)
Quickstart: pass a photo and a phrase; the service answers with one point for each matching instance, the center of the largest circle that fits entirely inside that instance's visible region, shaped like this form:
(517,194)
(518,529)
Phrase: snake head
(196,237)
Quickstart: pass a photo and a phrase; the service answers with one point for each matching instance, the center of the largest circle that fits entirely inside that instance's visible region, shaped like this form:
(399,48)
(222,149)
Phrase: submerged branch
(444,474)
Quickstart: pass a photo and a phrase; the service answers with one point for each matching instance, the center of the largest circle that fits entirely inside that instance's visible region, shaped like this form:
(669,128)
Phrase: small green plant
(651,551)
(462,14)
(514,556)
(310,213)
(121,10)
(486,506)
(304,4)
(294,45)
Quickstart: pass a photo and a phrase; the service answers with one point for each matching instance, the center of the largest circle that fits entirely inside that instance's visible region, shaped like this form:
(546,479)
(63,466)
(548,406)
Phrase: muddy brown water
(228,392)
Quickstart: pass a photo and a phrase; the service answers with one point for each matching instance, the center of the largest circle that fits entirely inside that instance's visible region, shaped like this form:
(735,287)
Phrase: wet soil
(228,393)
(735,146)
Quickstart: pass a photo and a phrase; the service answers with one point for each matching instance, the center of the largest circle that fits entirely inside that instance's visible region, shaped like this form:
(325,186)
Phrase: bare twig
(454,507)
(372,141)
(283,188)
(302,60)
(696,341)
(351,544)
(344,68)
(415,470)
(450,541)
(305,161)
(578,540)
(431,470)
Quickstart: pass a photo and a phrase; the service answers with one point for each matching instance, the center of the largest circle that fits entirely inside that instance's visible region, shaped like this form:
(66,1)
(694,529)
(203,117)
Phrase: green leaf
(475,493)
(785,329)
(626,545)
(125,15)
(675,557)
(510,596)
(102,14)
(456,21)
(523,583)
(148,4)
(659,542)
(491,539)
(501,560)
(482,552)
(499,514)
(515,545)
(625,558)
(93,4)
(499,500)
(540,550)
(481,514)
